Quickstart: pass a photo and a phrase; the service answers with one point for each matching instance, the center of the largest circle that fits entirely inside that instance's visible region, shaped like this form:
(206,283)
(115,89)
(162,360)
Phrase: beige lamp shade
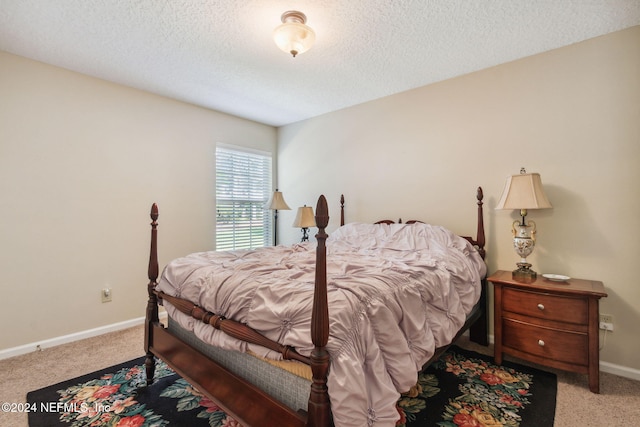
(304,218)
(524,191)
(277,202)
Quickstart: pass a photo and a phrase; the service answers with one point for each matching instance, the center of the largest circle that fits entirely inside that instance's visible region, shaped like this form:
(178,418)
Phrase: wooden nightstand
(553,324)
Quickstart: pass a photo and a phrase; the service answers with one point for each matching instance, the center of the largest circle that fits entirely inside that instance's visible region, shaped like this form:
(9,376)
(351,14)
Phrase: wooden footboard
(239,398)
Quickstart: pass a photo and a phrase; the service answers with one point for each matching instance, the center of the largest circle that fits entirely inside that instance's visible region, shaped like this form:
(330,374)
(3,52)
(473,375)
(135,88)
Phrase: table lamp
(523,192)
(304,220)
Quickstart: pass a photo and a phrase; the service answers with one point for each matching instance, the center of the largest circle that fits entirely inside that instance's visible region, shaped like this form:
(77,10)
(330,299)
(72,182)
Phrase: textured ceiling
(220,54)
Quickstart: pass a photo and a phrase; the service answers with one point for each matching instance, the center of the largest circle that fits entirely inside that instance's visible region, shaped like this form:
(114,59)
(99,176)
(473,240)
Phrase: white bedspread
(396,292)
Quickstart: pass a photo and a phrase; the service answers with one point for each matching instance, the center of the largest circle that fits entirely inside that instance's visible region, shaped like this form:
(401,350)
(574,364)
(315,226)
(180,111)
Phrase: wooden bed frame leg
(152,304)
(319,410)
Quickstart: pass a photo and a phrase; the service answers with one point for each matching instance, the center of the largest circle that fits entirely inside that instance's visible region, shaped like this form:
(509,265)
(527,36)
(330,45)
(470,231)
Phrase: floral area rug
(465,389)
(462,389)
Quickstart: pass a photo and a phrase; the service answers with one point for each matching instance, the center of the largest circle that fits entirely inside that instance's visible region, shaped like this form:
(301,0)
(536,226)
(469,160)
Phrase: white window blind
(243,187)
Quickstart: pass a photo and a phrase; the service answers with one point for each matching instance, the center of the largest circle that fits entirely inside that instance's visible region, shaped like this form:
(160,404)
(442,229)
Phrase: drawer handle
(541,343)
(541,306)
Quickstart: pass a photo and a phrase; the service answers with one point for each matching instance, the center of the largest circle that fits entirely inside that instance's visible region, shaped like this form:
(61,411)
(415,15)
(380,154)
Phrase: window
(243,187)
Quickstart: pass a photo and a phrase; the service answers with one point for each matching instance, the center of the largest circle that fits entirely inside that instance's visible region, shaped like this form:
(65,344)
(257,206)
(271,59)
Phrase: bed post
(479,331)
(480,240)
(319,410)
(341,210)
(152,303)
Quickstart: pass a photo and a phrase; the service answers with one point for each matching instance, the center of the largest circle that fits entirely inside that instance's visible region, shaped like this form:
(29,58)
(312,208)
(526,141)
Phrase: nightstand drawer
(546,306)
(563,346)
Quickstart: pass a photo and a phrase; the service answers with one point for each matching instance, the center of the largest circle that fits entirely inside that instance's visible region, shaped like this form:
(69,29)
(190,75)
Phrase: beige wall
(81,161)
(572,114)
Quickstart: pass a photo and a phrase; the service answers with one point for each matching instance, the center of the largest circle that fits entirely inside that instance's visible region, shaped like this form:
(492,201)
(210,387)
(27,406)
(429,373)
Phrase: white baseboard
(40,345)
(621,371)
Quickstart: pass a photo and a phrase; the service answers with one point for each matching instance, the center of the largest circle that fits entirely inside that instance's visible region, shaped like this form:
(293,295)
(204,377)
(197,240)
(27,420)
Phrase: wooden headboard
(479,240)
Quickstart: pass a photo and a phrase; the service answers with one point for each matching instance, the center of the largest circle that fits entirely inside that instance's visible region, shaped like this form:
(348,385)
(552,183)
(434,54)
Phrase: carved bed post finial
(152,303)
(341,209)
(319,411)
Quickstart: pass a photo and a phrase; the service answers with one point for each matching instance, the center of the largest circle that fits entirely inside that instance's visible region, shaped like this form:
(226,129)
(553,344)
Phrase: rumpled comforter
(396,292)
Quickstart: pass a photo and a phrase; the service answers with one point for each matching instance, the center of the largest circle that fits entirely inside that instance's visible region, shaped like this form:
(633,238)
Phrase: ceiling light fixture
(293,36)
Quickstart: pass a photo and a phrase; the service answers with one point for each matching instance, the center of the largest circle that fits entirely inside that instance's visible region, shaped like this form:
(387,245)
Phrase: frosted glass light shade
(293,36)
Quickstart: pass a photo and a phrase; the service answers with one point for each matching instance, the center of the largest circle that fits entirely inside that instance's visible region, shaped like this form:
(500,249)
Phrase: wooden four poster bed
(239,397)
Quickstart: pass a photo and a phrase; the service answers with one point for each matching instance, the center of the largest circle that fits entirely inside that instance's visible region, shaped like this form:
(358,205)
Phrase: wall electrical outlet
(106,295)
(606,322)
